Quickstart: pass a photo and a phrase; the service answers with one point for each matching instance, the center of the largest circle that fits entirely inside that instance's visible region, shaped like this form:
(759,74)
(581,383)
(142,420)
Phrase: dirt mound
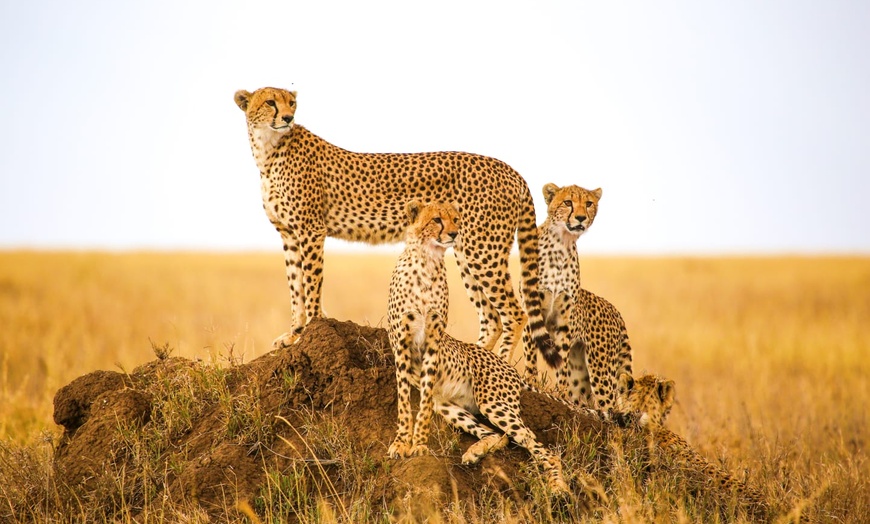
(313,418)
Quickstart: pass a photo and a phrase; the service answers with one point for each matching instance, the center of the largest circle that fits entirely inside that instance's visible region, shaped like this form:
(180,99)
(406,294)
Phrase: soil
(338,375)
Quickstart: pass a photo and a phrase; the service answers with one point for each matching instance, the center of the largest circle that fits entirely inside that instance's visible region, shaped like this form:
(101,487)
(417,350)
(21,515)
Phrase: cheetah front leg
(303,260)
(311,250)
(293,268)
(401,340)
(574,381)
(434,330)
(562,323)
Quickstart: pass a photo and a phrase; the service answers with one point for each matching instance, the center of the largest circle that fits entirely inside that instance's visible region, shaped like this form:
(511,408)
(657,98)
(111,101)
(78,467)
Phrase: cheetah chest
(428,291)
(269,206)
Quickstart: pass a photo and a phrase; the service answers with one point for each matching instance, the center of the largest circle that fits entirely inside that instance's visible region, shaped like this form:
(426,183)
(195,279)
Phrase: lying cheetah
(457,379)
(312,189)
(589,331)
(649,396)
(652,398)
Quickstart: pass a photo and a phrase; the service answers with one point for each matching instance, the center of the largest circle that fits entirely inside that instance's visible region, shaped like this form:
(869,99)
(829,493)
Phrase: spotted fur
(456,379)
(588,331)
(651,398)
(312,189)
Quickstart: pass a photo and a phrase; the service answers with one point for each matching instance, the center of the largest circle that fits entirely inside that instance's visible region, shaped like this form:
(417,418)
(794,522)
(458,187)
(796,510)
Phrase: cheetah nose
(580,219)
(452,235)
(287,119)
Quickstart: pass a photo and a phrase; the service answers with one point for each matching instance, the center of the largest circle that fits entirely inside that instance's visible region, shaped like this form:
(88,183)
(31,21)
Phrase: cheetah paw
(286,340)
(483,446)
(418,450)
(399,449)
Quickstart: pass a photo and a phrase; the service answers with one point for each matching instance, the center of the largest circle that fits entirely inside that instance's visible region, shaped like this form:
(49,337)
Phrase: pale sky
(734,127)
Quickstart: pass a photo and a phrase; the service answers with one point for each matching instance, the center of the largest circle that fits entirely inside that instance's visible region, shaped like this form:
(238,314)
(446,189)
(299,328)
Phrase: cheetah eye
(589,203)
(437,220)
(291,103)
(270,103)
(567,203)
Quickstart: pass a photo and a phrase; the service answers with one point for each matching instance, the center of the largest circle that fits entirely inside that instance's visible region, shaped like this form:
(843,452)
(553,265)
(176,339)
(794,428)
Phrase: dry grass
(769,354)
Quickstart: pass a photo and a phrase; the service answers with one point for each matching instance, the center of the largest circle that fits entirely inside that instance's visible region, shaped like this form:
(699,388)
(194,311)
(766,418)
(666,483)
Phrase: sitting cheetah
(312,189)
(651,398)
(588,331)
(457,379)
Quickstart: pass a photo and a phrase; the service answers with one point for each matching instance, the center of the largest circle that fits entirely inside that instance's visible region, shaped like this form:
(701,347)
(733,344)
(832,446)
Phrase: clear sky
(727,127)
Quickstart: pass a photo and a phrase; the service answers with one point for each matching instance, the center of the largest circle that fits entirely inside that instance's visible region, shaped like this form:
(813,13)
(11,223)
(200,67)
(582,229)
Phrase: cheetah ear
(597,193)
(242,97)
(667,392)
(550,192)
(412,209)
(456,207)
(625,382)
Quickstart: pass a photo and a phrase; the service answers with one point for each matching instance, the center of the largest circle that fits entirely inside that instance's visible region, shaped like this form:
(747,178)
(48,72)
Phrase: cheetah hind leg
(489,325)
(464,420)
(549,461)
(573,376)
(506,416)
(484,446)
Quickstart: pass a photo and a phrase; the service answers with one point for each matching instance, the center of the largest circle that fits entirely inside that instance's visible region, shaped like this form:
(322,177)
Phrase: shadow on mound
(307,423)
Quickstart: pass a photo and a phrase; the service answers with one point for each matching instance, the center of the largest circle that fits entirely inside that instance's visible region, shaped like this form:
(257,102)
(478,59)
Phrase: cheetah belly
(458,392)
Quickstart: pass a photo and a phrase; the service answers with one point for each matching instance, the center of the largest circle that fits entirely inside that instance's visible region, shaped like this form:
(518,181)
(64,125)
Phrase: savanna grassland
(769,354)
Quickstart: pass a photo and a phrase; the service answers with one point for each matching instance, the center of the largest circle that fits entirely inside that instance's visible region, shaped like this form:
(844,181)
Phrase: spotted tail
(527,240)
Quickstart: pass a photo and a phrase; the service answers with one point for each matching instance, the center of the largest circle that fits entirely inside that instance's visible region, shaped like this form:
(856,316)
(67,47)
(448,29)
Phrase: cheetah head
(571,209)
(434,226)
(268,108)
(649,396)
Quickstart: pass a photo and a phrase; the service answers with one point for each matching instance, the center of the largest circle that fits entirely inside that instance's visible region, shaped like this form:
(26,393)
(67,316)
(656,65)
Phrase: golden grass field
(769,354)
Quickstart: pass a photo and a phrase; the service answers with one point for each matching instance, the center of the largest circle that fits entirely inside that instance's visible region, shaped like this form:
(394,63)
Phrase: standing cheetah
(312,189)
(589,331)
(457,379)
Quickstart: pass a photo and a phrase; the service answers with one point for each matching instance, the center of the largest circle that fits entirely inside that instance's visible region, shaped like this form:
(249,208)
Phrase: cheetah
(456,379)
(312,189)
(588,331)
(651,398)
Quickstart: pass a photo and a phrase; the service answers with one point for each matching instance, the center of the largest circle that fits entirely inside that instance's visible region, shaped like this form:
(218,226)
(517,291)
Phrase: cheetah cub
(588,331)
(456,379)
(650,398)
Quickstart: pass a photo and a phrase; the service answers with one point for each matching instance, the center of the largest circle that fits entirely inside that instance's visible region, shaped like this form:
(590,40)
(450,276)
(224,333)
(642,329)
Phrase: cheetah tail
(527,240)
